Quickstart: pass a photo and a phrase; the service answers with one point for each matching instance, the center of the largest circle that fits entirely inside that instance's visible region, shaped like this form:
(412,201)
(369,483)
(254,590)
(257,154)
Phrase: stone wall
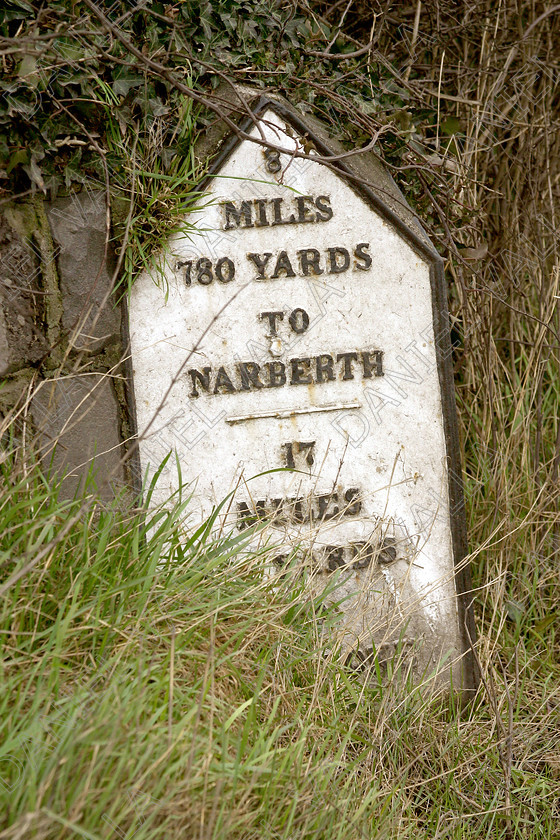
(63,382)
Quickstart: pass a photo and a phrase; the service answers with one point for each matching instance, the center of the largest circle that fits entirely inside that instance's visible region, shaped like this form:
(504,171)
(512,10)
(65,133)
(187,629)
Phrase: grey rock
(4,345)
(21,303)
(78,226)
(77,421)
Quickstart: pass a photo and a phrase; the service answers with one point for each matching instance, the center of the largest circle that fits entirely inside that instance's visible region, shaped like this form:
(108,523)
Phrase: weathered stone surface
(78,225)
(14,390)
(4,345)
(21,341)
(77,420)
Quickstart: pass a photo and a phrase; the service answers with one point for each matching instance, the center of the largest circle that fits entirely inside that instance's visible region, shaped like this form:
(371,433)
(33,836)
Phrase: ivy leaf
(124,80)
(24,104)
(156,107)
(367,106)
(21,10)
(73,170)
(17,159)
(27,70)
(124,84)
(205,20)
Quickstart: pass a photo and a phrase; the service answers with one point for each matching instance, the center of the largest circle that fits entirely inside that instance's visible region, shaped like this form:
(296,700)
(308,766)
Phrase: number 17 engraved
(299,453)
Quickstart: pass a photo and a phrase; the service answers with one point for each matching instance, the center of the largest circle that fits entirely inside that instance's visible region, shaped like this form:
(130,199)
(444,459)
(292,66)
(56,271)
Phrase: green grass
(150,697)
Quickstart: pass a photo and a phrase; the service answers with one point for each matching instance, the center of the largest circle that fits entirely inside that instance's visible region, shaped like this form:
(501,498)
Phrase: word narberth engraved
(306,370)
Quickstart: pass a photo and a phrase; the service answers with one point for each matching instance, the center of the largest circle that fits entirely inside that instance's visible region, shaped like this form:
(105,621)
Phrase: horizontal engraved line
(282,415)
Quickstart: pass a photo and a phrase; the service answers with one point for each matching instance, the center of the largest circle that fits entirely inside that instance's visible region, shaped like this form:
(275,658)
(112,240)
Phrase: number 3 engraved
(272,160)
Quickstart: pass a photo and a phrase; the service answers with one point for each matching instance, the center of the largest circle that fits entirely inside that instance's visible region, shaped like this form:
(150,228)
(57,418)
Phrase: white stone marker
(304,326)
